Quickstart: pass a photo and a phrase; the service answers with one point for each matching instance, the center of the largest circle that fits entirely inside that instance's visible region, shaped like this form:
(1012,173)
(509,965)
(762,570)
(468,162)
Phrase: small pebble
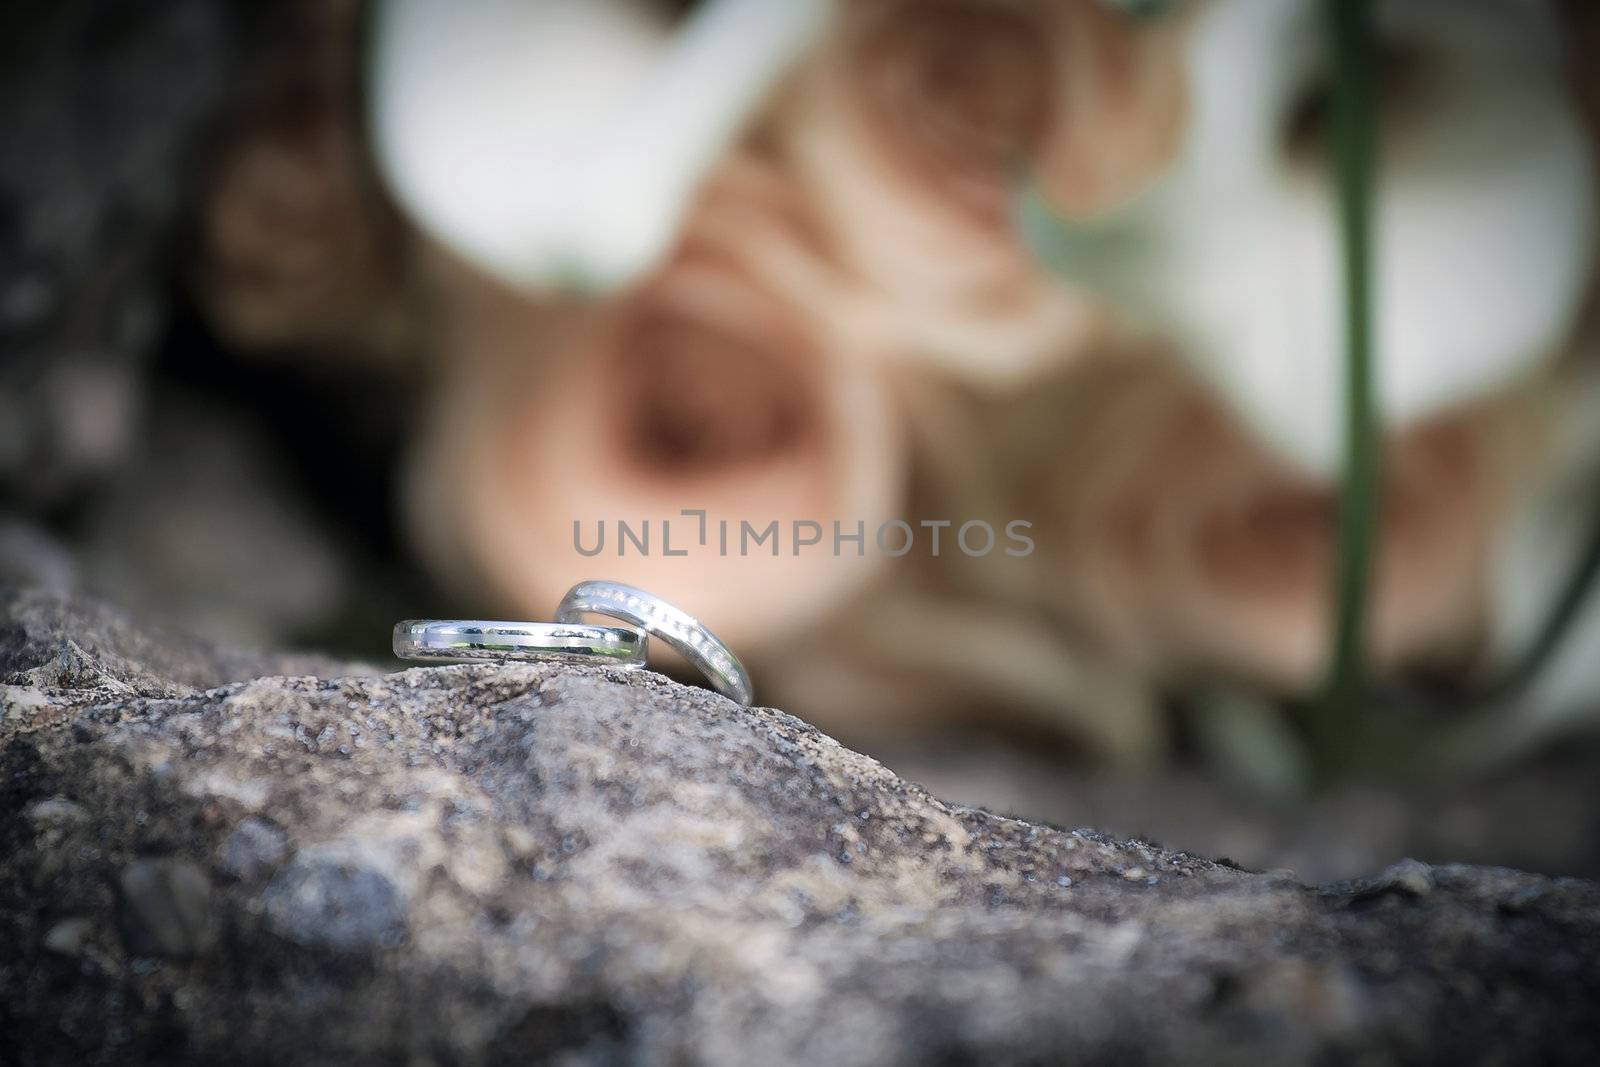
(165,908)
(254,850)
(335,903)
(68,936)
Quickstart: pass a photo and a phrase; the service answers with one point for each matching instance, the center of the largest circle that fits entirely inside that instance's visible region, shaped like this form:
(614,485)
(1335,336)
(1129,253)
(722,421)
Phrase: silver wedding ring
(670,623)
(458,640)
(569,639)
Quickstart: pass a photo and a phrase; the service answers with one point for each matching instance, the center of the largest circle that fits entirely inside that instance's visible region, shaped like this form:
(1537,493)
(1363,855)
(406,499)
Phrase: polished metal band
(667,621)
(458,640)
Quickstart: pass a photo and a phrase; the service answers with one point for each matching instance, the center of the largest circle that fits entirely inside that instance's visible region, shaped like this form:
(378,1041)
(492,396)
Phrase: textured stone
(52,643)
(481,865)
(254,850)
(166,908)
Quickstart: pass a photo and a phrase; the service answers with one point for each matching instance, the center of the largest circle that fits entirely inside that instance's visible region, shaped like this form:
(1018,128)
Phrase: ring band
(688,635)
(453,640)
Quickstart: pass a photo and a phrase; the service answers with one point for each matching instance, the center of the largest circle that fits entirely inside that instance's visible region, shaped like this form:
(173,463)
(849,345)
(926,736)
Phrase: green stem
(1337,727)
(1580,581)
(1493,719)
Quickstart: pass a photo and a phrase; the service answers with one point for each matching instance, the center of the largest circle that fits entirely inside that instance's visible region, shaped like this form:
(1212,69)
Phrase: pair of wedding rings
(571,640)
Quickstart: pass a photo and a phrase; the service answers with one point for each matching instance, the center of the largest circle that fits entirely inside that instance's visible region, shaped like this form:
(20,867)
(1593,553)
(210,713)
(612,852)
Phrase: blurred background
(317,315)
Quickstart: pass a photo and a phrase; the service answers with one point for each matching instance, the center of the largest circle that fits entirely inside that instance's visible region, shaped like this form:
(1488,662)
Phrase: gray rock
(55,811)
(68,936)
(254,850)
(166,908)
(323,901)
(50,641)
(486,865)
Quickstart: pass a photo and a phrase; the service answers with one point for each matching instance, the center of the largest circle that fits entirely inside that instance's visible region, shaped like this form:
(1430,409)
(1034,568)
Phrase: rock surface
(476,865)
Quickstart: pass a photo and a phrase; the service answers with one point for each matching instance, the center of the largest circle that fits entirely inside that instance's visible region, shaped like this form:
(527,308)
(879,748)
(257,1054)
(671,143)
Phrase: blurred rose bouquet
(1066,262)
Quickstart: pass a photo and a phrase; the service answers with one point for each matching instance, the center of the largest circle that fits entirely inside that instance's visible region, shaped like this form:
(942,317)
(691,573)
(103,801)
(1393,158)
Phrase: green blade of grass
(1337,723)
(1547,639)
